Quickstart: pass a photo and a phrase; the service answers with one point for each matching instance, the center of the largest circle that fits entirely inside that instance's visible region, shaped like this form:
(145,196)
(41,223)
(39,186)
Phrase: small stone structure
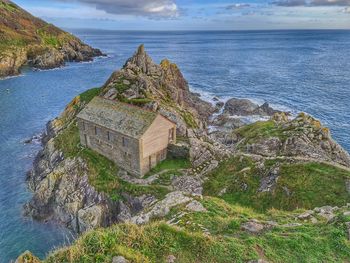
(134,138)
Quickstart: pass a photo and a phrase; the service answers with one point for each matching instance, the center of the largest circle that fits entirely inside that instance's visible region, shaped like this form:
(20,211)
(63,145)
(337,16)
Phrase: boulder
(253,227)
(240,107)
(195,206)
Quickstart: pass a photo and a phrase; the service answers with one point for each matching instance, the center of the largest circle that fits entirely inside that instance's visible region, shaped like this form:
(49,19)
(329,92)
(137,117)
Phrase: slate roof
(117,116)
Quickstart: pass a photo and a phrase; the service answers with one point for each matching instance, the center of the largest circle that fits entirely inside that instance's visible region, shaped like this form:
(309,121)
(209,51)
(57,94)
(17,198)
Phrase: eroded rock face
(62,192)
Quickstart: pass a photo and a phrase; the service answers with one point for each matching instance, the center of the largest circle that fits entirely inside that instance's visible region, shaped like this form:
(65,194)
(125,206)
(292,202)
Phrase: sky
(192,14)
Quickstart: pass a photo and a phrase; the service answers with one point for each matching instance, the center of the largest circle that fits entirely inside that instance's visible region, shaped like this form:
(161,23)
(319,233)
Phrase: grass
(8,6)
(261,129)
(305,185)
(88,95)
(227,242)
(171,164)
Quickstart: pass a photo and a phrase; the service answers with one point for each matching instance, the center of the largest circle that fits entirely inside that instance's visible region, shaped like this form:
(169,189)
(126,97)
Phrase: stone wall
(121,149)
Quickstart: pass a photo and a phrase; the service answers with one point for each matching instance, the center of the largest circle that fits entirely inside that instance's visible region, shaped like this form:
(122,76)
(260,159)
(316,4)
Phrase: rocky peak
(143,61)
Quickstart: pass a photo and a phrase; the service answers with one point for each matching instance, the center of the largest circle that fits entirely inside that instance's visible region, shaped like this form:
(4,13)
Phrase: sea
(296,70)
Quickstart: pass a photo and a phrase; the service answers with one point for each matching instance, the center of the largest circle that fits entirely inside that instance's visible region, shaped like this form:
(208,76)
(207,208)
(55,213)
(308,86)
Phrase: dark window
(108,135)
(125,142)
(98,131)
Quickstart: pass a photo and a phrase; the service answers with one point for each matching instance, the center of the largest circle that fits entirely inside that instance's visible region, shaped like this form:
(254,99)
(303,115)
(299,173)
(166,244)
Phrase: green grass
(8,6)
(171,164)
(88,95)
(309,185)
(227,242)
(261,129)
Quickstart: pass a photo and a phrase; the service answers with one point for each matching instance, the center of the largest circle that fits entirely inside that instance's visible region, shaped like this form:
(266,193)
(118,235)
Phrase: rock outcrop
(245,107)
(302,137)
(25,39)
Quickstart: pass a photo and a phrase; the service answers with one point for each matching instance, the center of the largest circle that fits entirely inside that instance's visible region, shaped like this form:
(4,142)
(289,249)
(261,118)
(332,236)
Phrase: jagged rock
(195,206)
(296,141)
(50,58)
(240,107)
(161,208)
(268,183)
(267,147)
(244,107)
(119,259)
(188,184)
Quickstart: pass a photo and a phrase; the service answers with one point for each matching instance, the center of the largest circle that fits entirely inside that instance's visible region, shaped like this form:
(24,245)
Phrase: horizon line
(207,30)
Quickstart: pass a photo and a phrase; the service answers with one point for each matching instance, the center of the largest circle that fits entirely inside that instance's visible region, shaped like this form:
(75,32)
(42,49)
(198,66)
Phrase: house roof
(117,116)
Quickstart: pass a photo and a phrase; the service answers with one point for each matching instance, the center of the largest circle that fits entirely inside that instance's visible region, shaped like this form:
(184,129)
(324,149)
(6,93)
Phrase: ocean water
(293,70)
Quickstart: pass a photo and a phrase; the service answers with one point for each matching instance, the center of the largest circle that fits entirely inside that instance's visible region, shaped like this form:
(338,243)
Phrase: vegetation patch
(187,241)
(8,6)
(261,130)
(301,185)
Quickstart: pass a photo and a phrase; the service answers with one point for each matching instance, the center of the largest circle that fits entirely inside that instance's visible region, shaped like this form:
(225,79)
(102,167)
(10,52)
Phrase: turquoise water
(295,70)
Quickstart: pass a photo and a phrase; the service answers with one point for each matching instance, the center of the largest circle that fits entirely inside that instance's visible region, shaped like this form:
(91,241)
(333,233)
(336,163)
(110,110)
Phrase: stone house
(134,138)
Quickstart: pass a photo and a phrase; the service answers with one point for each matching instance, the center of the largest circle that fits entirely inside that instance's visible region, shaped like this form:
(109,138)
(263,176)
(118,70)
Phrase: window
(97,131)
(171,135)
(109,136)
(84,126)
(125,142)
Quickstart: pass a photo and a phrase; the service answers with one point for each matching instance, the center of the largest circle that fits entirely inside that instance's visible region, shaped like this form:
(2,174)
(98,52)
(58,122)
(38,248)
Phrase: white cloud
(154,8)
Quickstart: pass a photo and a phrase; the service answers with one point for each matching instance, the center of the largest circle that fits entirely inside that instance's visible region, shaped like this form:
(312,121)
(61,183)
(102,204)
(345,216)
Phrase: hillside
(25,39)
(274,190)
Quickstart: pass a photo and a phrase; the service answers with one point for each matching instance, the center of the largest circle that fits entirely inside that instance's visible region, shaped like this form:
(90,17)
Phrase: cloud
(237,6)
(291,3)
(151,8)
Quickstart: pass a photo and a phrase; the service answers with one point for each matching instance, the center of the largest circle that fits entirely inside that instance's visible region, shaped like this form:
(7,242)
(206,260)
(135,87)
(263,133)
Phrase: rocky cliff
(27,40)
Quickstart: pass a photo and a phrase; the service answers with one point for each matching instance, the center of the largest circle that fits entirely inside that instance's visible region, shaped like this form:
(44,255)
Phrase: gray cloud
(291,3)
(152,8)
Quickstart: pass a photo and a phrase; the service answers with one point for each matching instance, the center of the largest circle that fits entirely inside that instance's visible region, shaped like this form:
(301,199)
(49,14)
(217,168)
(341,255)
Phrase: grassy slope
(309,185)
(226,243)
(21,30)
